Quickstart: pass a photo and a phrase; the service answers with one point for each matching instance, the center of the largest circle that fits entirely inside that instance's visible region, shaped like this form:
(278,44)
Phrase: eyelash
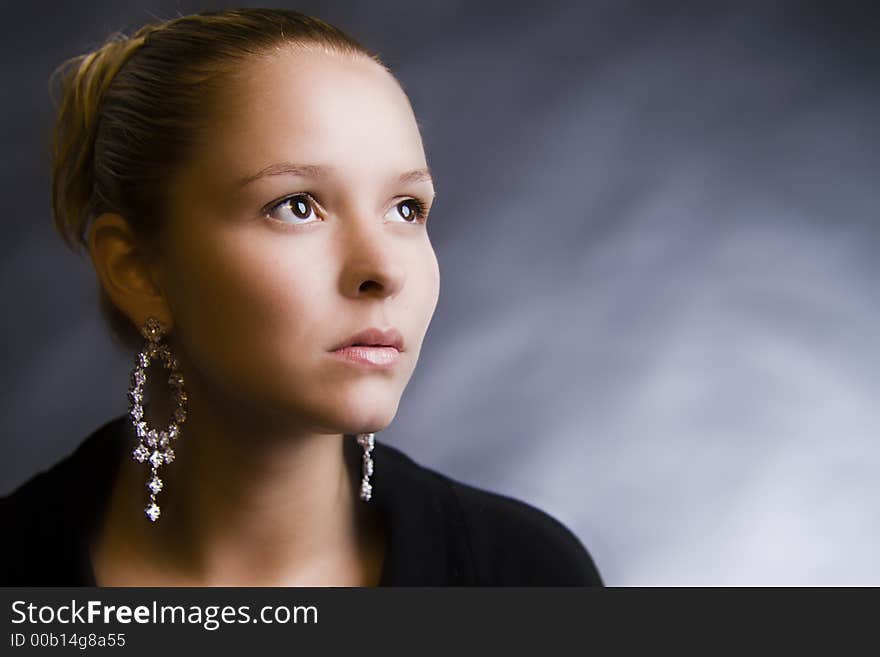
(421,208)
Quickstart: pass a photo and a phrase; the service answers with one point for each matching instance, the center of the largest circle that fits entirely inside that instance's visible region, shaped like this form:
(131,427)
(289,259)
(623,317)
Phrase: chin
(362,416)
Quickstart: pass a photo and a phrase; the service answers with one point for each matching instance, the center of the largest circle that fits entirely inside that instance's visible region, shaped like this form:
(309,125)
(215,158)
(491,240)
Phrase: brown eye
(411,210)
(292,208)
(300,206)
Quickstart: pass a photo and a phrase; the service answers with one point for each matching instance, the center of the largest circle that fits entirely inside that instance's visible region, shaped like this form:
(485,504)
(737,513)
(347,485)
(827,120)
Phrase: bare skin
(259,494)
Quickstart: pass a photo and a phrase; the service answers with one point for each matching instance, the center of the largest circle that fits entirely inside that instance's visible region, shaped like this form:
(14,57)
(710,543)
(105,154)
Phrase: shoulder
(512,542)
(515,541)
(45,515)
(25,505)
(43,488)
(31,524)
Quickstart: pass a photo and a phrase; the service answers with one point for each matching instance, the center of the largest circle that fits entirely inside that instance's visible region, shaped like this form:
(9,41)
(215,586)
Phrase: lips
(374,337)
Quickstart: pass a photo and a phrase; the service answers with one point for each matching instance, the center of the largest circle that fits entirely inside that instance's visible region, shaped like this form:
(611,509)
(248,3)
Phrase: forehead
(346,112)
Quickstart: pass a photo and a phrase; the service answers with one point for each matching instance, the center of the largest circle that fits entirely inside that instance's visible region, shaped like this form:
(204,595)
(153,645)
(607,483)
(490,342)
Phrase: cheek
(421,296)
(242,307)
(430,276)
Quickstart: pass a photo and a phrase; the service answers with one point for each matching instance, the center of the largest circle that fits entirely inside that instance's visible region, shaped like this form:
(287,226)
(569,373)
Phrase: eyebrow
(317,171)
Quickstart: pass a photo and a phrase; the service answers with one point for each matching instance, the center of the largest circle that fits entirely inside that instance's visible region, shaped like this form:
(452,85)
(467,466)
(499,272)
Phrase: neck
(247,502)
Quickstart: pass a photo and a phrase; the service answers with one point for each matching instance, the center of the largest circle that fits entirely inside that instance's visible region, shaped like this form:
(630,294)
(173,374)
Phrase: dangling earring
(367,441)
(155,445)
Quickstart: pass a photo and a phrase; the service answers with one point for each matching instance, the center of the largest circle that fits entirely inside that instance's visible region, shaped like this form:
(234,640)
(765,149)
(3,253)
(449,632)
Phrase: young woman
(253,192)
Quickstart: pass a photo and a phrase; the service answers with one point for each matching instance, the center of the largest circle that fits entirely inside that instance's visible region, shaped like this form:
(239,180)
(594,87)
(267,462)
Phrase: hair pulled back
(129,110)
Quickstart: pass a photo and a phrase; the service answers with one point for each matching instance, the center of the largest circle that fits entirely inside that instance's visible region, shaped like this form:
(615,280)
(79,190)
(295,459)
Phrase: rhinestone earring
(367,441)
(155,445)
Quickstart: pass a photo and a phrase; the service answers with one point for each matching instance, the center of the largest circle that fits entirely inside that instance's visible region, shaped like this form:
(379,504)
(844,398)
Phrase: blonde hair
(130,110)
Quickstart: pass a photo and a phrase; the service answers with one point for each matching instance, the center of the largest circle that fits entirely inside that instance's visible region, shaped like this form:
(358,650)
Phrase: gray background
(656,231)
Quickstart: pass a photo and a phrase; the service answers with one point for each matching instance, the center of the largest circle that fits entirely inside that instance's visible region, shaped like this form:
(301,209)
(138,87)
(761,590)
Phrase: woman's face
(262,289)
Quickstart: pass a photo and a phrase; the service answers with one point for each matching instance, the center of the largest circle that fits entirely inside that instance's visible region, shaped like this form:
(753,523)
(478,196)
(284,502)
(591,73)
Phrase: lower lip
(382,358)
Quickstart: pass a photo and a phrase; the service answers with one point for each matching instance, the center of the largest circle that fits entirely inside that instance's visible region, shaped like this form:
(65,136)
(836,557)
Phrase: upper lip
(374,337)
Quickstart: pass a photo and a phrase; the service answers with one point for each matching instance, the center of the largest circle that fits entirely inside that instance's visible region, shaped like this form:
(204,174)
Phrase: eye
(292,209)
(412,210)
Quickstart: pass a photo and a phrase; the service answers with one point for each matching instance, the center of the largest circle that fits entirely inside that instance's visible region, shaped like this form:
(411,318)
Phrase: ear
(130,280)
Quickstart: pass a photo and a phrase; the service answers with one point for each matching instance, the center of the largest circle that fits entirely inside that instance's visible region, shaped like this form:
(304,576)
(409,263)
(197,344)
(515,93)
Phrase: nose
(372,256)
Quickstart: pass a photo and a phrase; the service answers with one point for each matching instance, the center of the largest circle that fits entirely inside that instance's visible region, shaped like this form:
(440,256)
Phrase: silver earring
(367,441)
(155,445)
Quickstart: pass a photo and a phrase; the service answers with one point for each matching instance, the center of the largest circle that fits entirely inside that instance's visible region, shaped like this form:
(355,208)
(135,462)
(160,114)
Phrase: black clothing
(440,532)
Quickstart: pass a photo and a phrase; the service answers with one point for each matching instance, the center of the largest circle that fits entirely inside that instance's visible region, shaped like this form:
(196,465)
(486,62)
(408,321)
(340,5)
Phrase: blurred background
(657,232)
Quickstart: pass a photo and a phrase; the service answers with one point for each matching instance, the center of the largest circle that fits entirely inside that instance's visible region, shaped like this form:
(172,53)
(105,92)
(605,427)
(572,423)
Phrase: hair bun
(83,82)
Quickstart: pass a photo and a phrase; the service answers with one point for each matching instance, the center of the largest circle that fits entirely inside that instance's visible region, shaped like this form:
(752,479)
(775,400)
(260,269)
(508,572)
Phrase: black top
(440,532)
